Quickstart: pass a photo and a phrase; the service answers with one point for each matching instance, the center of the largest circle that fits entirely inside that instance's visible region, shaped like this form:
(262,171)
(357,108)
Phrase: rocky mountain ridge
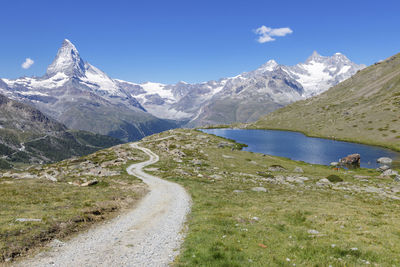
(29,136)
(247,96)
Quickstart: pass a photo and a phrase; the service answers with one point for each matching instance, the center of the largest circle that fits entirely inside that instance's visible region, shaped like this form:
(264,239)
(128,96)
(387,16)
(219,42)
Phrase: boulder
(389,172)
(259,189)
(334,164)
(27,220)
(216,176)
(27,176)
(298,169)
(92,182)
(178,153)
(197,162)
(313,232)
(353,159)
(323,182)
(50,177)
(238,191)
(383,168)
(225,144)
(276,168)
(384,160)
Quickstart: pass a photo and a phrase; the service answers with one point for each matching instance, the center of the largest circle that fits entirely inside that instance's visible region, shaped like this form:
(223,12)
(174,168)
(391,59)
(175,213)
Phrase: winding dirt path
(149,235)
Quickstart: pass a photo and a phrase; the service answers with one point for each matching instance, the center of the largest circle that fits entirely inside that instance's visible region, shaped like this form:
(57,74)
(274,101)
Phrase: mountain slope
(28,136)
(364,108)
(83,97)
(243,98)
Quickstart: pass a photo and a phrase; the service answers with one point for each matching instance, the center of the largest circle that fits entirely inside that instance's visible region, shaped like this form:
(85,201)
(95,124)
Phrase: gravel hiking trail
(148,235)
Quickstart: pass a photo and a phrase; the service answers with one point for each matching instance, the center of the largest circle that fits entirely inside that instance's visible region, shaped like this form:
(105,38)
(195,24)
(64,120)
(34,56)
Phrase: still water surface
(297,146)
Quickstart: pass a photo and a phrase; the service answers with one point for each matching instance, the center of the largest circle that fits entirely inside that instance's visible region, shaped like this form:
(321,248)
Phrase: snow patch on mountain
(54,81)
(99,81)
(156,88)
(318,73)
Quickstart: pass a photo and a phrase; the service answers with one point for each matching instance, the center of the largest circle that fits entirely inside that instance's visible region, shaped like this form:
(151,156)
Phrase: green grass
(64,209)
(270,228)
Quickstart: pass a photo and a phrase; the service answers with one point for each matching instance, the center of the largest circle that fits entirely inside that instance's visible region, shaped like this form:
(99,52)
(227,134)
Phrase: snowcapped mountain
(83,97)
(319,73)
(247,96)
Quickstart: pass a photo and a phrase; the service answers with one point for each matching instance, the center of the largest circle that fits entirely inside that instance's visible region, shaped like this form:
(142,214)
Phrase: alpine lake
(299,147)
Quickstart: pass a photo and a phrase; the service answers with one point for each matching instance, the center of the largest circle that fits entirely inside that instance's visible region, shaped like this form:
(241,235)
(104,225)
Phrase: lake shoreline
(298,145)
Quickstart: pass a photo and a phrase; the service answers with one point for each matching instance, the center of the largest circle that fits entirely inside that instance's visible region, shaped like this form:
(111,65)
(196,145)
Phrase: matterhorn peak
(67,61)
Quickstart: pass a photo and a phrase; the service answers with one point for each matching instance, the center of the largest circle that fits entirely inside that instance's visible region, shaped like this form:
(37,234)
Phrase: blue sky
(194,41)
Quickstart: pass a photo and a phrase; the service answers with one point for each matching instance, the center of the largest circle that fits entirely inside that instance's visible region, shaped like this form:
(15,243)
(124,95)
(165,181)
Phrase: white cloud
(266,34)
(28,63)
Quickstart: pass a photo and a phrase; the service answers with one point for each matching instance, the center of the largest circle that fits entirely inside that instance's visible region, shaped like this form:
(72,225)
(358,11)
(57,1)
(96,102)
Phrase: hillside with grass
(364,108)
(28,136)
(251,209)
(55,201)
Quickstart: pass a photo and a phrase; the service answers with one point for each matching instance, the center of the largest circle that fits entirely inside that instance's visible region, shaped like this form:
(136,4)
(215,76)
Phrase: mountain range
(245,97)
(83,97)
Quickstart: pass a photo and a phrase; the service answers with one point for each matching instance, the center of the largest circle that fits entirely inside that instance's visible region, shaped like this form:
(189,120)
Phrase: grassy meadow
(61,208)
(293,223)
